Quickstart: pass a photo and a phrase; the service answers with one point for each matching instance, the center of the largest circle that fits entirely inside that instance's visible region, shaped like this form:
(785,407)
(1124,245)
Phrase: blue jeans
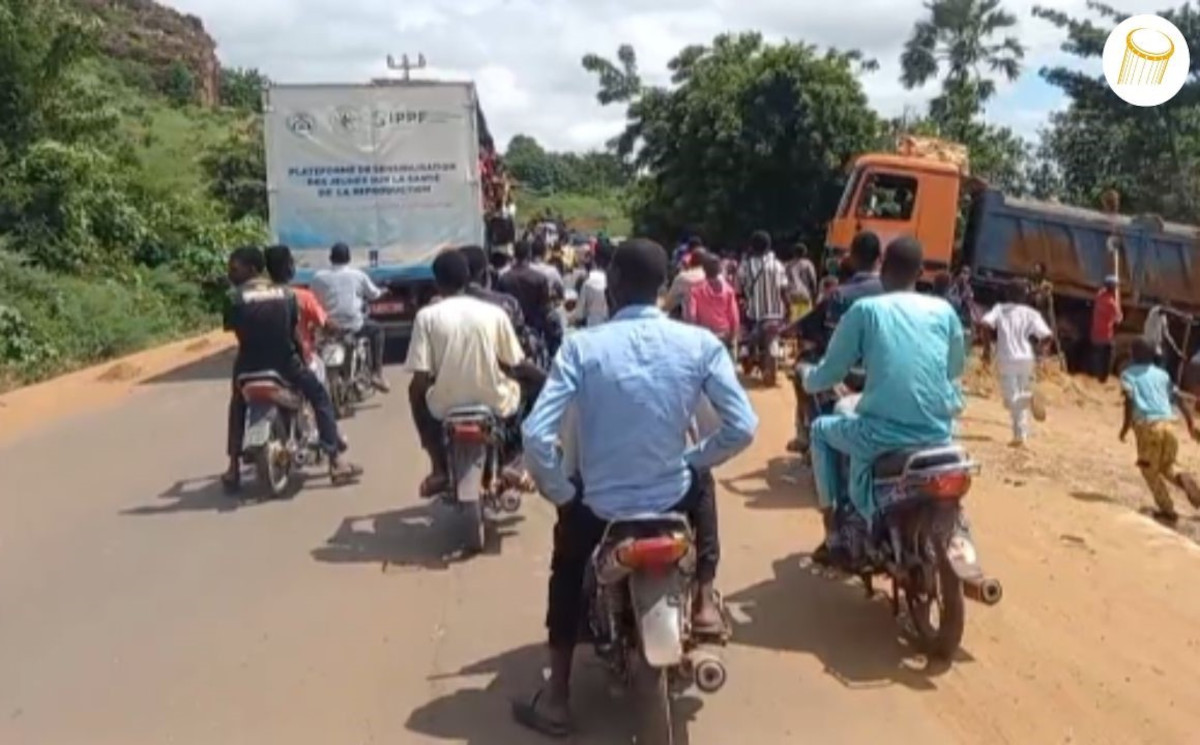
(863,441)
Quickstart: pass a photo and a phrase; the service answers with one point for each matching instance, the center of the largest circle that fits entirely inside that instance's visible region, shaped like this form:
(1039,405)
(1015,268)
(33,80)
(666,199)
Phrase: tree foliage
(751,135)
(241,88)
(544,172)
(1150,156)
(95,258)
(237,172)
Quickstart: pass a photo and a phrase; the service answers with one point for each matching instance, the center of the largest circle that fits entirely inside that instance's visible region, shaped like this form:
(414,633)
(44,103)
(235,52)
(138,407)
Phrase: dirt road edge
(42,404)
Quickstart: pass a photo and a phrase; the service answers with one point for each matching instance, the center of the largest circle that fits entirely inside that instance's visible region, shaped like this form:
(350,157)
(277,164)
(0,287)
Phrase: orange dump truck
(919,189)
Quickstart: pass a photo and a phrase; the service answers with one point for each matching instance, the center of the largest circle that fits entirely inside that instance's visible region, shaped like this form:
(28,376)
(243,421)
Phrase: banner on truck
(387,167)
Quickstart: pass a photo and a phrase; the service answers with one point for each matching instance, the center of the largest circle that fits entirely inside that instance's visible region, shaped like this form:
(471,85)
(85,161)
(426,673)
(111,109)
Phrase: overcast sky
(524,54)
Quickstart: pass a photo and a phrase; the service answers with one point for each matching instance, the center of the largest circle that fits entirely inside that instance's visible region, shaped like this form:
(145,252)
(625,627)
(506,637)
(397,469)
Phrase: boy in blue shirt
(1150,402)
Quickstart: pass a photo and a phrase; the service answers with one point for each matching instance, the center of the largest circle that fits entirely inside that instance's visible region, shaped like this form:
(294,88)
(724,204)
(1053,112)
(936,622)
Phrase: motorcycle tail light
(651,553)
(953,485)
(468,432)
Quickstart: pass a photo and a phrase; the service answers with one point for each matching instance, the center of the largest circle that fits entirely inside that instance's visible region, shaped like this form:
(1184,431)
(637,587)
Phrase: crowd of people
(622,372)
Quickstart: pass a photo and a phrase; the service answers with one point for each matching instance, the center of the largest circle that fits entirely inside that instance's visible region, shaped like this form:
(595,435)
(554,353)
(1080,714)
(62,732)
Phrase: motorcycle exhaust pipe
(984,590)
(709,671)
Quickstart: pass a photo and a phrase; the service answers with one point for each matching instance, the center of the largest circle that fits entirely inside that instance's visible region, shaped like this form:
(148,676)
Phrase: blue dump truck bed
(1159,262)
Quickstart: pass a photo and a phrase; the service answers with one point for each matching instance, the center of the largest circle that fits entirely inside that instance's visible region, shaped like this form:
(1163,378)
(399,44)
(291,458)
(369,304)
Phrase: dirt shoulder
(1098,637)
(27,409)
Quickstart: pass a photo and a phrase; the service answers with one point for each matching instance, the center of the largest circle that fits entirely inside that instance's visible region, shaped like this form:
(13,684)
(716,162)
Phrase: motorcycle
(280,433)
(347,361)
(640,588)
(474,448)
(920,538)
(761,351)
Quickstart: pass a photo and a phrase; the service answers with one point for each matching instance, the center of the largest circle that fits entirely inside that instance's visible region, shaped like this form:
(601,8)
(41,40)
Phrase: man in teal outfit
(911,348)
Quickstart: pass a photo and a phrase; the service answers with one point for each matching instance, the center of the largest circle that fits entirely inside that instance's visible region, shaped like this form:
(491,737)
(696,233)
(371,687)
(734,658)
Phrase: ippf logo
(1146,60)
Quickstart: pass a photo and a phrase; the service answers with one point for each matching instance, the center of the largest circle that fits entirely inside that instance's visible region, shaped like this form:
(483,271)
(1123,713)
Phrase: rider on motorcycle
(463,352)
(266,317)
(816,327)
(911,349)
(634,383)
(344,290)
(281,268)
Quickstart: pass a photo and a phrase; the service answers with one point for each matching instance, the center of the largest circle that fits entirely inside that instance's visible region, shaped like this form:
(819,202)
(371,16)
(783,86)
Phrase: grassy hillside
(583,212)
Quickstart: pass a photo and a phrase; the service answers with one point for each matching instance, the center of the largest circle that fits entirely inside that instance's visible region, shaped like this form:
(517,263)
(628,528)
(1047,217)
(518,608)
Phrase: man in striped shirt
(763,282)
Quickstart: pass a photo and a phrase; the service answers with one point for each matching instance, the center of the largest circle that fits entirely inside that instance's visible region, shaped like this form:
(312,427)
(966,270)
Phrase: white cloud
(525,54)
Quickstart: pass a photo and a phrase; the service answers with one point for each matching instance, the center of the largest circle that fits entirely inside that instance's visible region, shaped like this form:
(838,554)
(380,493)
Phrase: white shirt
(1157,331)
(681,288)
(592,306)
(461,342)
(343,290)
(1014,324)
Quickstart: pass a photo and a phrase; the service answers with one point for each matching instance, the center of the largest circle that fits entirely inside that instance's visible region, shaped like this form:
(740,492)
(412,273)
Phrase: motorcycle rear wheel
(272,462)
(942,639)
(656,724)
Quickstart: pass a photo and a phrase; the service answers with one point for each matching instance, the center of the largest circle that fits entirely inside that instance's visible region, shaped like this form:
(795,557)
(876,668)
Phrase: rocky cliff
(147,39)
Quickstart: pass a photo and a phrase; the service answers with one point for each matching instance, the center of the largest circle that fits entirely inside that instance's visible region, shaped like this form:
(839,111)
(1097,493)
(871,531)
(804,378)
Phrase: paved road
(139,605)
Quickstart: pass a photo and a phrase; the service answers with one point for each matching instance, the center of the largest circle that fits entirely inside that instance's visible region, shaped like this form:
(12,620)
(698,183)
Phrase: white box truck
(390,168)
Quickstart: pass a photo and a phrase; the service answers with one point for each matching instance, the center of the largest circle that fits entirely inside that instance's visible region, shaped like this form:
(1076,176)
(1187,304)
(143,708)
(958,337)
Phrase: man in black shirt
(531,288)
(265,318)
(818,325)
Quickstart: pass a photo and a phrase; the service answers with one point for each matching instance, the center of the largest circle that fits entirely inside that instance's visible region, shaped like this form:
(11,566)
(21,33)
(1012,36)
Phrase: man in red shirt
(1106,314)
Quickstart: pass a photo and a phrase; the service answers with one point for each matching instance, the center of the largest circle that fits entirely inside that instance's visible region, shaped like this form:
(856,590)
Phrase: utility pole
(405,65)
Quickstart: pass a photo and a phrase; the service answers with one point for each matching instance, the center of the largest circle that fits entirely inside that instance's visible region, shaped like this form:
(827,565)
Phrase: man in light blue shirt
(344,292)
(634,383)
(911,348)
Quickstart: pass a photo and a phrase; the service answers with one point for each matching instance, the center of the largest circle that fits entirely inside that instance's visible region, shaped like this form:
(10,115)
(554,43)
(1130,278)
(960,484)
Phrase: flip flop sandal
(432,486)
(527,714)
(231,484)
(346,475)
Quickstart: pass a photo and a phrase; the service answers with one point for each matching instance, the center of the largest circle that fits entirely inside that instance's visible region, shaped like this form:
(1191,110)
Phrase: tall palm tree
(957,41)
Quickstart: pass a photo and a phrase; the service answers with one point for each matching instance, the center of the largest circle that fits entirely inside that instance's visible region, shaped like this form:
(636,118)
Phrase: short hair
(760,241)
(477,260)
(694,242)
(904,259)
(942,282)
(539,247)
(641,266)
(451,271)
(1143,351)
(865,249)
(250,257)
(278,260)
(1017,291)
(339,254)
(696,258)
(522,250)
(801,250)
(712,265)
(603,253)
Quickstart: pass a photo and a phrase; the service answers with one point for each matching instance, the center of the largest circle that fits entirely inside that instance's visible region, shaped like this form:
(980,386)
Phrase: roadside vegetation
(122,188)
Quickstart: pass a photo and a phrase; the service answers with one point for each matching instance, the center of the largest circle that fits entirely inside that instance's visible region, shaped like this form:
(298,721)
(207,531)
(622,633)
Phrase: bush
(53,323)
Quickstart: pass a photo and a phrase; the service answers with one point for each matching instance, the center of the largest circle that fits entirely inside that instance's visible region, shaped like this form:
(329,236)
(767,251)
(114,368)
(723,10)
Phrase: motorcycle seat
(893,464)
(263,376)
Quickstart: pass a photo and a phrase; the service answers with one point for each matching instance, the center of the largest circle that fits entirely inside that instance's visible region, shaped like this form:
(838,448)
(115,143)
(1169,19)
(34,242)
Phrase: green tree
(1100,143)
(179,85)
(237,172)
(957,42)
(241,88)
(41,44)
(751,135)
